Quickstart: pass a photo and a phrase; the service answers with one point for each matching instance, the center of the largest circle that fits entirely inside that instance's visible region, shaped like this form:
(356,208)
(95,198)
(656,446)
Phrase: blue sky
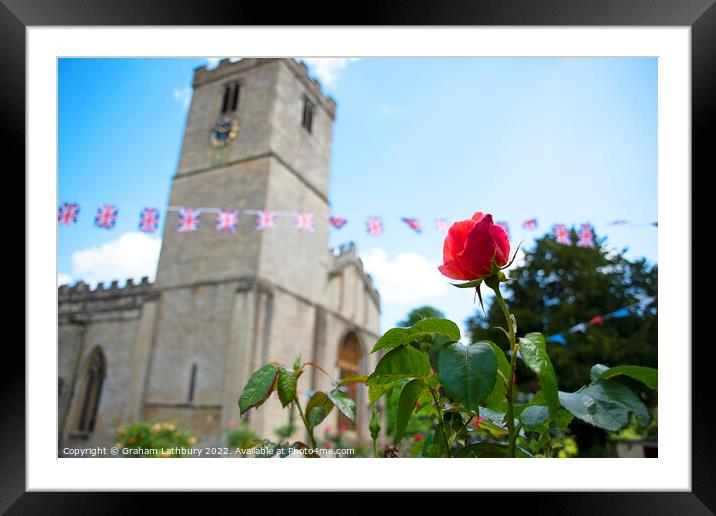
(563,140)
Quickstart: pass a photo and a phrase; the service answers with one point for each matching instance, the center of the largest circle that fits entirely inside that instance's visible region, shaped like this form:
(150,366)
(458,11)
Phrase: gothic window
(349,359)
(92,389)
(231,98)
(307,120)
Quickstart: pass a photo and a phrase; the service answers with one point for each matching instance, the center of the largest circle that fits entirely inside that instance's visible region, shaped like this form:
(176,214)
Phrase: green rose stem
(494,283)
(305,423)
(436,401)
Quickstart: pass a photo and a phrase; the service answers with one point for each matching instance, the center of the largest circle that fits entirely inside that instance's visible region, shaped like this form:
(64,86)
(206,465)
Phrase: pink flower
(231,424)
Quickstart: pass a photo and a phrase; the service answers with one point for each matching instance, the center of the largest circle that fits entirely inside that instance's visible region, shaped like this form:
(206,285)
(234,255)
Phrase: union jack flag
(265,220)
(562,234)
(227,221)
(149,220)
(530,225)
(413,224)
(586,236)
(188,220)
(504,225)
(442,225)
(67,213)
(304,222)
(374,226)
(106,216)
(337,221)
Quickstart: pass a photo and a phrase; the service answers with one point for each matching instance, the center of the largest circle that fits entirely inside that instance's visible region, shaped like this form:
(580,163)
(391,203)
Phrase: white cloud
(132,255)
(407,278)
(63,279)
(183,96)
(328,69)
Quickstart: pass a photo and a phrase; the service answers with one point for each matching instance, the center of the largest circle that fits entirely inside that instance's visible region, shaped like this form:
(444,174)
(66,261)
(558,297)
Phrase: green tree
(423,312)
(559,286)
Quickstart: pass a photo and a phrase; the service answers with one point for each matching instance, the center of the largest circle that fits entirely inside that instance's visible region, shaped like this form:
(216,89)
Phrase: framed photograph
(424,239)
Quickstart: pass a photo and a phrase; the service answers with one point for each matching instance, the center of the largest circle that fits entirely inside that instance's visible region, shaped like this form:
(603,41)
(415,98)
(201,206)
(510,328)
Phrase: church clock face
(224,132)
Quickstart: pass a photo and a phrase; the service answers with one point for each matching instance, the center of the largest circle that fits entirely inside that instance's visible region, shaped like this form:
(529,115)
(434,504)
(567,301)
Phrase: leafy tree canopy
(417,314)
(559,286)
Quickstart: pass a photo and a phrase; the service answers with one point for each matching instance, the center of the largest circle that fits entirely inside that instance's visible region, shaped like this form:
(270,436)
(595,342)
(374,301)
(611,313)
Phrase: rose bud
(471,246)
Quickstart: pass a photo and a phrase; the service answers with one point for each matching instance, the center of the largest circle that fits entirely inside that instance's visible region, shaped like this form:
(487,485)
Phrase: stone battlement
(345,255)
(81,299)
(227,68)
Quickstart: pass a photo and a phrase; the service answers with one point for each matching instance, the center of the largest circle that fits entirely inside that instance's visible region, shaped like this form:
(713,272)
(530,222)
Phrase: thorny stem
(469,420)
(514,347)
(305,423)
(442,421)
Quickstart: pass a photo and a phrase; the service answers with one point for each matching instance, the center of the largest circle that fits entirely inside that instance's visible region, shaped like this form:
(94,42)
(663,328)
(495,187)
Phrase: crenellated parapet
(344,256)
(80,300)
(227,68)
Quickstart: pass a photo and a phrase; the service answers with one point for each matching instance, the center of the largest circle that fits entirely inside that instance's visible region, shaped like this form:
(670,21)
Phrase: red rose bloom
(470,247)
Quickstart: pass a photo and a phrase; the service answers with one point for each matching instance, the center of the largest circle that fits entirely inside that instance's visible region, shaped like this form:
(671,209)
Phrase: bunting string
(560,338)
(227,221)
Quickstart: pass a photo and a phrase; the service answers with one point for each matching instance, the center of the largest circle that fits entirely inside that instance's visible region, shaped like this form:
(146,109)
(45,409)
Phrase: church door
(349,358)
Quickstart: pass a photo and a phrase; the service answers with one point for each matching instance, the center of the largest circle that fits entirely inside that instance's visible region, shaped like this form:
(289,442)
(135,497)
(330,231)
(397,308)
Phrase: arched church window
(350,355)
(92,389)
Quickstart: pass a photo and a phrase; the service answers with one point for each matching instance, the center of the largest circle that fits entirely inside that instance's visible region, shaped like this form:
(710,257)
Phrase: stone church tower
(258,137)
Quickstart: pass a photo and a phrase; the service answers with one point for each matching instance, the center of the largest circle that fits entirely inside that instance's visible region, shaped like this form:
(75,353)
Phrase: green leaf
(438,341)
(646,375)
(489,450)
(605,404)
(497,400)
(534,416)
(443,326)
(534,353)
(318,408)
(469,284)
(258,388)
(393,338)
(425,329)
(435,444)
(406,404)
(354,378)
(596,371)
(467,372)
(286,386)
(344,403)
(562,419)
(397,364)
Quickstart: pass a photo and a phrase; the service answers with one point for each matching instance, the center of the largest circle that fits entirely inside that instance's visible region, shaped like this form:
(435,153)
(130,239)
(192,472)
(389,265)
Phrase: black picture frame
(700,15)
